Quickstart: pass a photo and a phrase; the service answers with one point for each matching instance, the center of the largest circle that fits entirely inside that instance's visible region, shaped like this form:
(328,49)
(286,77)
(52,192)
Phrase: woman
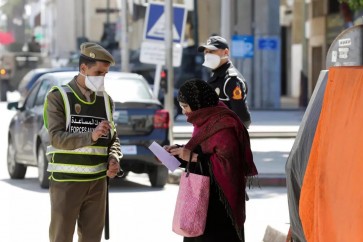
(221,143)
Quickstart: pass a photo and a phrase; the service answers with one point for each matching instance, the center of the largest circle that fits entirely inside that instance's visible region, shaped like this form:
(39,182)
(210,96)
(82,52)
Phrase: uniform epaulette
(232,72)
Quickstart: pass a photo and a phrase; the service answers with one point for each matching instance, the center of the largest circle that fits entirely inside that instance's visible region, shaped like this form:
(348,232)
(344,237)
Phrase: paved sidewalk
(265,124)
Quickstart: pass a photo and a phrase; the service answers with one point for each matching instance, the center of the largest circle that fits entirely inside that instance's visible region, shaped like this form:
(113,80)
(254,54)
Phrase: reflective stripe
(91,150)
(66,106)
(108,111)
(66,168)
(224,91)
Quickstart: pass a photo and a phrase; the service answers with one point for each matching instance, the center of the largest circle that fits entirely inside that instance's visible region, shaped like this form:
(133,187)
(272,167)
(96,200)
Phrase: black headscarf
(197,94)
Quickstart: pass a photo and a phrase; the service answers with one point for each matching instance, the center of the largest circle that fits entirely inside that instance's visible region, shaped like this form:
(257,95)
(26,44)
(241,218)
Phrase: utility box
(347,48)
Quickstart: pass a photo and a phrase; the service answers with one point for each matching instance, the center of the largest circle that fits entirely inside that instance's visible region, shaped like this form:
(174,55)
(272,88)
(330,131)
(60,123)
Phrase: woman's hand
(168,148)
(183,154)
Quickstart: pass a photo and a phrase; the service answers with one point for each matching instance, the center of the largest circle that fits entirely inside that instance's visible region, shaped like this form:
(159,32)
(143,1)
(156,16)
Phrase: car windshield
(127,89)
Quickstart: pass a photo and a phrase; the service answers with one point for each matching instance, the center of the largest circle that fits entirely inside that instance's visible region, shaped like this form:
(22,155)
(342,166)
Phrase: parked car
(139,118)
(30,78)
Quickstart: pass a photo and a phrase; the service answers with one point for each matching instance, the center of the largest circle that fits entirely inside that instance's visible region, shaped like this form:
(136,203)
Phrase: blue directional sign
(155,23)
(242,46)
(268,43)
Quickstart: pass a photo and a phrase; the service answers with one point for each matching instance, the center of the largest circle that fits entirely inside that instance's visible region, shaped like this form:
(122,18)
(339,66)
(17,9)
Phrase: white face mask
(212,61)
(95,83)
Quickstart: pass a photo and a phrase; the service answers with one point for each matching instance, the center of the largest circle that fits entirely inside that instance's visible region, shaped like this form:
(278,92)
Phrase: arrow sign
(155,22)
(158,30)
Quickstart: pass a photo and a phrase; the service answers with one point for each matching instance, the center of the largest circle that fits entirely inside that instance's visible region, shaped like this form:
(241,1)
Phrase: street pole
(108,12)
(226,19)
(195,24)
(169,98)
(253,27)
(124,43)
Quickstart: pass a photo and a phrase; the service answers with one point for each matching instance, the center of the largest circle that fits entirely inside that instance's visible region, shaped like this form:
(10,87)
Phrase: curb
(266,134)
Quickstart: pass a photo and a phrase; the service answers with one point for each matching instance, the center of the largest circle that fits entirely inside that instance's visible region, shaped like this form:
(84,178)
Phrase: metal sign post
(169,99)
(162,45)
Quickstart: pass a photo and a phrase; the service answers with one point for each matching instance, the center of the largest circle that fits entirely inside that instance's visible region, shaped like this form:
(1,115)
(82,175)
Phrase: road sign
(268,43)
(242,46)
(153,52)
(155,22)
(153,46)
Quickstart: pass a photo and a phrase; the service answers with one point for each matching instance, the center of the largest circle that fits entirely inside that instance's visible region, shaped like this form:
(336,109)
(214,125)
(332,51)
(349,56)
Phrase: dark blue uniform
(231,88)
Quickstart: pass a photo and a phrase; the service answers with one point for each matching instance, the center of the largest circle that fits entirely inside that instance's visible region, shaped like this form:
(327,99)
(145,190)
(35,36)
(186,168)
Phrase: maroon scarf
(207,122)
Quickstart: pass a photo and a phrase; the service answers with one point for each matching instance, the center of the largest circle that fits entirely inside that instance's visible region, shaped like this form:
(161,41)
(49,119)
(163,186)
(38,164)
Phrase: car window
(43,90)
(126,89)
(29,102)
(26,79)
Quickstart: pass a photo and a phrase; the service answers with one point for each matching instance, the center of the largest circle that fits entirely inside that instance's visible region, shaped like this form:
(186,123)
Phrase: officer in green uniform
(84,149)
(228,83)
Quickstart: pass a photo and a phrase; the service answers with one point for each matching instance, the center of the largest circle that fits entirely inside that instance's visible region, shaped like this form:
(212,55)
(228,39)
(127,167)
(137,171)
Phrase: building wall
(65,30)
(209,12)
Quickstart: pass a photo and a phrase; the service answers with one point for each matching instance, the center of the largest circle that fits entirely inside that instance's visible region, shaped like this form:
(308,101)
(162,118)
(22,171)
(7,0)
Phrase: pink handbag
(191,207)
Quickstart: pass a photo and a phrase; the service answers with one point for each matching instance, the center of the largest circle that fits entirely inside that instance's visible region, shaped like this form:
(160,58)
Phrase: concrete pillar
(267,61)
(226,23)
(260,18)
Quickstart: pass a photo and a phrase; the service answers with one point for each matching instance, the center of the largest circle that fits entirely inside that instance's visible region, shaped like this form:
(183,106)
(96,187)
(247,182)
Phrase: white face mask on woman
(212,61)
(95,83)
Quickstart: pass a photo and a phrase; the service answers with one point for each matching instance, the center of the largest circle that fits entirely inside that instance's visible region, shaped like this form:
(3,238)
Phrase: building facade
(290,37)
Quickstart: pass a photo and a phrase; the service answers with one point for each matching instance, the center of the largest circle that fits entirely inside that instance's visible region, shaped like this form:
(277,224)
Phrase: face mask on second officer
(216,52)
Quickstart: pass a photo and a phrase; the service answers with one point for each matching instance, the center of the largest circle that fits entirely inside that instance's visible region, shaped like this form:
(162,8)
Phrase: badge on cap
(92,55)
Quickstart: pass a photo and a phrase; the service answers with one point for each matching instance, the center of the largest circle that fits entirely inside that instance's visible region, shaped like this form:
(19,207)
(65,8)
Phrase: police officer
(228,83)
(84,149)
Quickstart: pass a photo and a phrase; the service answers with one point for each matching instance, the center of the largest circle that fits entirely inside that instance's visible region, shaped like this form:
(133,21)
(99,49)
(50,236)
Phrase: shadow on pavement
(125,185)
(30,184)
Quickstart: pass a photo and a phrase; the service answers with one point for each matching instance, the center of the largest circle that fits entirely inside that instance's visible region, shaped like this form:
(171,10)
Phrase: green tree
(353,4)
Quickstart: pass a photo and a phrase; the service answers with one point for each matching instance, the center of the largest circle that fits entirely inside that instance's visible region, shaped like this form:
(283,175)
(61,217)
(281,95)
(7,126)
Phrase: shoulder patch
(237,93)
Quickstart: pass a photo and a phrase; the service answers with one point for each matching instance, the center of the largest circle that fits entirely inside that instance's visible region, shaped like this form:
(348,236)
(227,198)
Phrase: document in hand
(165,157)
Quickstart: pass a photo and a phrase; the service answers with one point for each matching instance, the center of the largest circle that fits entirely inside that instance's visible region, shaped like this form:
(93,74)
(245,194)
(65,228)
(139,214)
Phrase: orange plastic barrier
(331,202)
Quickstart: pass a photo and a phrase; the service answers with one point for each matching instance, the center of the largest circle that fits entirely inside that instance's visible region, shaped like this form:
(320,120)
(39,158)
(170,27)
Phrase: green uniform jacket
(60,138)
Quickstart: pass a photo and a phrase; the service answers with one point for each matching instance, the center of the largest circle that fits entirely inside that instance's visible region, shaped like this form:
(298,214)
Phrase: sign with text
(153,52)
(268,43)
(242,46)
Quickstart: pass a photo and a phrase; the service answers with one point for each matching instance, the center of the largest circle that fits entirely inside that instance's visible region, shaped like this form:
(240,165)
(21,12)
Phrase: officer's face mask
(212,61)
(95,83)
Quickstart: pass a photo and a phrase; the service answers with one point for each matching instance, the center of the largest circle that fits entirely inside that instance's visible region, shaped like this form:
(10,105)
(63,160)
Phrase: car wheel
(43,174)
(158,176)
(16,170)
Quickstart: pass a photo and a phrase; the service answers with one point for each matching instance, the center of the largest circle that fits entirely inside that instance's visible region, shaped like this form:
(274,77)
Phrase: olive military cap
(96,52)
